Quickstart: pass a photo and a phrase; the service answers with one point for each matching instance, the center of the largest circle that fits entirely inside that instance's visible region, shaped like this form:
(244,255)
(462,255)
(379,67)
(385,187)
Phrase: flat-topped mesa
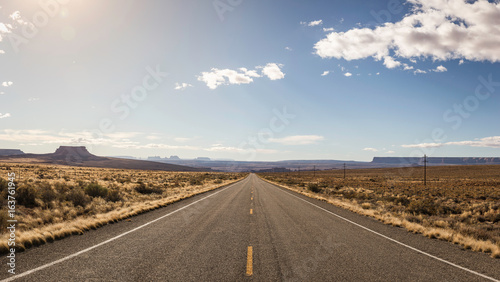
(10,152)
(75,153)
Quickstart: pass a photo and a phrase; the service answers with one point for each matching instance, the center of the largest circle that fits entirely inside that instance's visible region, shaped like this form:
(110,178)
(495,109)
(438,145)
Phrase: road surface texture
(251,230)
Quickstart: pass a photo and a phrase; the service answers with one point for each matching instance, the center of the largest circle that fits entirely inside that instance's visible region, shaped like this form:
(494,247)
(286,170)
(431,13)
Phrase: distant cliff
(435,161)
(10,152)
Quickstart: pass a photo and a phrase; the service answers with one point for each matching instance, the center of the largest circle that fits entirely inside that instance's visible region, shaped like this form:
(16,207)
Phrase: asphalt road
(251,230)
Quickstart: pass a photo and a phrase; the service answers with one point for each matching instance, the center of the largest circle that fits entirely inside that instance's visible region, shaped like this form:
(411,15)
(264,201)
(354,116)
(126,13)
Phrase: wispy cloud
(435,29)
(328,29)
(370,149)
(298,139)
(312,23)
(6,115)
(491,142)
(325,73)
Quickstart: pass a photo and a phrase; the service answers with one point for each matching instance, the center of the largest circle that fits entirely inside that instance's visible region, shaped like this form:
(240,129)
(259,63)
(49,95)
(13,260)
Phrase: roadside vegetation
(53,202)
(460,204)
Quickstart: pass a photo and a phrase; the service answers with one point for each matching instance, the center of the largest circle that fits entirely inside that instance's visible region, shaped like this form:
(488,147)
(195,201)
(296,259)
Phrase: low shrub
(143,189)
(27,195)
(96,190)
(78,197)
(313,187)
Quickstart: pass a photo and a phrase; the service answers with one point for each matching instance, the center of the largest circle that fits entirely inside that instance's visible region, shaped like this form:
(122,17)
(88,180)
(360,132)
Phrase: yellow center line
(251,211)
(249,261)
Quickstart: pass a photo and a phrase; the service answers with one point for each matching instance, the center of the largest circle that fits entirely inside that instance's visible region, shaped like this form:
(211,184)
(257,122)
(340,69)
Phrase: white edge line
(104,242)
(394,240)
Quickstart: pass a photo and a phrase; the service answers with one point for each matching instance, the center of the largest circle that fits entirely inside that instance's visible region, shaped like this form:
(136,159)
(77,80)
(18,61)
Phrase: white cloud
(423,145)
(419,71)
(461,62)
(7,83)
(182,86)
(491,142)
(325,29)
(370,149)
(297,140)
(273,71)
(182,139)
(4,28)
(217,77)
(440,69)
(325,73)
(2,93)
(348,74)
(407,67)
(377,73)
(390,152)
(288,48)
(390,63)
(2,52)
(312,23)
(33,99)
(441,30)
(4,115)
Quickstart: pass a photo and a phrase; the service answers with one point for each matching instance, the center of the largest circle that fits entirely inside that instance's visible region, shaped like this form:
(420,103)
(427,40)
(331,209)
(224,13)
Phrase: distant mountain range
(79,156)
(293,165)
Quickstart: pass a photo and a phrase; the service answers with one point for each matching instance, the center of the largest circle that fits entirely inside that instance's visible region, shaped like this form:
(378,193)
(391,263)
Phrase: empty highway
(251,230)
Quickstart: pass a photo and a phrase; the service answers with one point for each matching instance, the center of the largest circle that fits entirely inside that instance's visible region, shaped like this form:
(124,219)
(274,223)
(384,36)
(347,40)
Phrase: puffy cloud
(419,71)
(440,69)
(7,83)
(182,86)
(390,63)
(441,30)
(348,74)
(273,71)
(297,139)
(325,73)
(217,77)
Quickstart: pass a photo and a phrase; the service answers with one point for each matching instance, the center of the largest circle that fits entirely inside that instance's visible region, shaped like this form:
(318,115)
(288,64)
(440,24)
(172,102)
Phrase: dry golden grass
(54,202)
(459,204)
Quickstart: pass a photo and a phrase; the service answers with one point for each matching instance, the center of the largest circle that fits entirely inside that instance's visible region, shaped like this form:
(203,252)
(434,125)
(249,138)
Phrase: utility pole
(344,170)
(425,170)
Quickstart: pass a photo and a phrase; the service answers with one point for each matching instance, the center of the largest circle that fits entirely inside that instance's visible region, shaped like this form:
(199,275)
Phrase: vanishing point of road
(251,230)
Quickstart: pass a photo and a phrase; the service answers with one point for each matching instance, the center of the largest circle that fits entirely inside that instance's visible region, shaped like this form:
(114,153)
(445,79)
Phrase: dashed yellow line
(249,261)
(251,211)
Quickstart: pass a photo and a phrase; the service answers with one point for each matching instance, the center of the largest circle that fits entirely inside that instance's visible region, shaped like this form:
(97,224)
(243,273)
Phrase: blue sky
(252,80)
